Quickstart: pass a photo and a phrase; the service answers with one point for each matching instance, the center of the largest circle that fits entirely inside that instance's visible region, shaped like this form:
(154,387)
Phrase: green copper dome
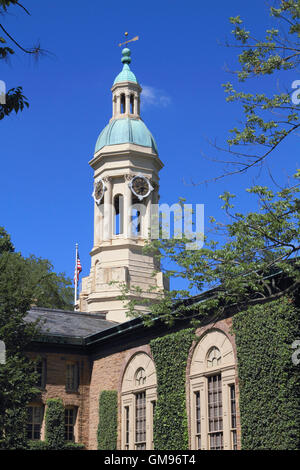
(123,131)
(126,75)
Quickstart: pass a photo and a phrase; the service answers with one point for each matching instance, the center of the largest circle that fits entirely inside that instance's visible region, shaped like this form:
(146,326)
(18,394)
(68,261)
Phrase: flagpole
(76,274)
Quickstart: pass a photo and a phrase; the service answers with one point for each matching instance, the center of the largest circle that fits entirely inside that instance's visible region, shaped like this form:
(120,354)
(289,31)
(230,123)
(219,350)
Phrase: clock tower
(126,183)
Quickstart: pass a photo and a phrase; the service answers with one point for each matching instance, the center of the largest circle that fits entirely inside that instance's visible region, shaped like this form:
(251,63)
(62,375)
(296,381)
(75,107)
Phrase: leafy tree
(47,288)
(17,378)
(14,98)
(23,281)
(270,118)
(236,261)
(5,242)
(239,256)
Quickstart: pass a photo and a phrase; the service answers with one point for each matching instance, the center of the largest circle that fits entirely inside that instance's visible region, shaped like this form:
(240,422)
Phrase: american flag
(78,269)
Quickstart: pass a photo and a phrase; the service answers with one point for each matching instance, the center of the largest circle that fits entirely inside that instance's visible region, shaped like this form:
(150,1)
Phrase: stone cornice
(120,150)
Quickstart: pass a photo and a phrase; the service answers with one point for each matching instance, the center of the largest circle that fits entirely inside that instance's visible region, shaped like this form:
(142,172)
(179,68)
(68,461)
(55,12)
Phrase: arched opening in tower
(138,210)
(131,104)
(118,214)
(123,103)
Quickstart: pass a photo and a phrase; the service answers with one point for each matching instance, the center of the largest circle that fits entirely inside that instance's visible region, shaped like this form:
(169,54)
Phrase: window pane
(72,377)
(234,440)
(233,406)
(34,422)
(127,427)
(152,424)
(140,421)
(233,417)
(69,423)
(215,412)
(198,421)
(40,369)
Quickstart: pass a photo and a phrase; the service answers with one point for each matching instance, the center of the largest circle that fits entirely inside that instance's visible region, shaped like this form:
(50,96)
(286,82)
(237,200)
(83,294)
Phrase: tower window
(138,210)
(122,103)
(118,214)
(131,104)
(136,222)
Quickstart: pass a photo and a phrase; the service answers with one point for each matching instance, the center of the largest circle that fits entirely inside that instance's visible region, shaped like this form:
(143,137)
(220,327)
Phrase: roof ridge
(100,315)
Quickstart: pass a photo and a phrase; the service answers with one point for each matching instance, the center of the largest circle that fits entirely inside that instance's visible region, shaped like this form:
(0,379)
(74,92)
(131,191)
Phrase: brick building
(83,354)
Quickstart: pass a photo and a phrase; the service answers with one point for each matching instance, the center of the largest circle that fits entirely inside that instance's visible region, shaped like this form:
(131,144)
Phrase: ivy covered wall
(170,355)
(55,424)
(55,429)
(269,382)
(108,420)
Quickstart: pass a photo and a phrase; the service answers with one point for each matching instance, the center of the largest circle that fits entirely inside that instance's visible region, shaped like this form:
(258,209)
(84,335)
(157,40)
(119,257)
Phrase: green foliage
(17,376)
(170,354)
(269,382)
(42,445)
(4,4)
(50,289)
(236,261)
(15,100)
(108,416)
(73,446)
(55,429)
(55,424)
(23,281)
(269,117)
(5,242)
(37,445)
(37,281)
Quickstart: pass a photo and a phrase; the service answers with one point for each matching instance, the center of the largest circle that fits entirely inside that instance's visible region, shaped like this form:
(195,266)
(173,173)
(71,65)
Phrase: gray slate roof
(68,323)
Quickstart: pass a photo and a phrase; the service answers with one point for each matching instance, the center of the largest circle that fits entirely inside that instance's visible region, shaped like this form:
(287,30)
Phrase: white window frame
(199,383)
(128,399)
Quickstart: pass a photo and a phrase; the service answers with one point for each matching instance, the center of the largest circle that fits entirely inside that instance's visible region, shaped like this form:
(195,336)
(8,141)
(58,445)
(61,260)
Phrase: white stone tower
(126,182)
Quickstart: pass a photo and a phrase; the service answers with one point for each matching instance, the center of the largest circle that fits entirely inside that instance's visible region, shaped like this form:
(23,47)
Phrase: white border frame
(148,183)
(98,180)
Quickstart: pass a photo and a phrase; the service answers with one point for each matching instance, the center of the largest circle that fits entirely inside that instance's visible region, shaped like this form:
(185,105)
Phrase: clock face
(98,191)
(140,186)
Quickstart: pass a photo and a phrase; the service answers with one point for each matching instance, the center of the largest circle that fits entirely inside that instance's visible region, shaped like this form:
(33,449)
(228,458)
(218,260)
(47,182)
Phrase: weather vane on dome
(130,40)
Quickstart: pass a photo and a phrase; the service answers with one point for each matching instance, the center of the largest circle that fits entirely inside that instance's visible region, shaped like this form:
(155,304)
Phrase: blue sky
(180,60)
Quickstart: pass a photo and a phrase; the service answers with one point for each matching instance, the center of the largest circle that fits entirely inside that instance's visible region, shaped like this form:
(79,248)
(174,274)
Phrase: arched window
(131,104)
(138,403)
(118,214)
(213,398)
(140,377)
(122,102)
(213,357)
